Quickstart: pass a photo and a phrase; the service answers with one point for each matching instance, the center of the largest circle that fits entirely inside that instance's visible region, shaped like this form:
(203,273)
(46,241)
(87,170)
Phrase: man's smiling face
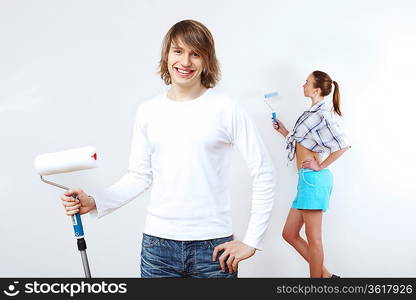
(184,64)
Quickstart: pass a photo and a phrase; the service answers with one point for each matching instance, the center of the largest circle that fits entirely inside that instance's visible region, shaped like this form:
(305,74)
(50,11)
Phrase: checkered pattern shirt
(316,130)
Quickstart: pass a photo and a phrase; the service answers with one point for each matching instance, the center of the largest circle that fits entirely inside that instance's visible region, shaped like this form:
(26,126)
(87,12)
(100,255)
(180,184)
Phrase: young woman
(315,132)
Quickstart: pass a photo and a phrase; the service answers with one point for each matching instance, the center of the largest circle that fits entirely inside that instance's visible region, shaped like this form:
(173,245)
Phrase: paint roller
(63,162)
(269,97)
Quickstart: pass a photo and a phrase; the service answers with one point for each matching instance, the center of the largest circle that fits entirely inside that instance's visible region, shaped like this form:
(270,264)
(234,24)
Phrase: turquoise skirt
(314,189)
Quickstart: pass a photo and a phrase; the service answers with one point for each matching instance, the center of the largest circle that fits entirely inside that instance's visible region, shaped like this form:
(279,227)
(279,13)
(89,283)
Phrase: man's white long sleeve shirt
(182,149)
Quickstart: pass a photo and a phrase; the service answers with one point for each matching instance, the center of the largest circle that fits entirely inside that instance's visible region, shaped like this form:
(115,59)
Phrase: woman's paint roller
(63,162)
(270,96)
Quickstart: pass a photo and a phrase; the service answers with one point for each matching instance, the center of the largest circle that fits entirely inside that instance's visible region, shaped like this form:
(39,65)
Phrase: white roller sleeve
(66,161)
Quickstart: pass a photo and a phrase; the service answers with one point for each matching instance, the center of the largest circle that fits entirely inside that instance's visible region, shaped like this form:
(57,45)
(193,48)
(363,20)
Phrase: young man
(181,145)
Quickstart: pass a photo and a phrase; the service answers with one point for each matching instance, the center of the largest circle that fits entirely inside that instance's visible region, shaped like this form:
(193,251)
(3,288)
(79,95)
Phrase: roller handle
(77,224)
(274,120)
(82,245)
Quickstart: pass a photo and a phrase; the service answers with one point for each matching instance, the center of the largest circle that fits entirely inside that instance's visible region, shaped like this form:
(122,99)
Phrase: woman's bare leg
(313,231)
(294,223)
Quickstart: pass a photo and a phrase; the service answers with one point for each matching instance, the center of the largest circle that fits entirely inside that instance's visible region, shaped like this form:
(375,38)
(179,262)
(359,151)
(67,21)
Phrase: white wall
(73,72)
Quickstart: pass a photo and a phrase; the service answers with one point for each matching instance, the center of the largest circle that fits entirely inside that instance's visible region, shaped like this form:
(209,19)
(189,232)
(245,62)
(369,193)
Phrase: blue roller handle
(77,223)
(274,120)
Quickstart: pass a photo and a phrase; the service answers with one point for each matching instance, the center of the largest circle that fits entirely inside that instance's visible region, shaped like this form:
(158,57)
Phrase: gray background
(73,72)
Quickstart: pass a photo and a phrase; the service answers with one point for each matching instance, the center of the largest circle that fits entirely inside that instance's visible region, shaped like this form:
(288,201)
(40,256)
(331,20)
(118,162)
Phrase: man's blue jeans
(170,258)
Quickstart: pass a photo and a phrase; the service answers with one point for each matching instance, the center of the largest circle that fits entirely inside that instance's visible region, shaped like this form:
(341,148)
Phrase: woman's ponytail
(324,82)
(336,99)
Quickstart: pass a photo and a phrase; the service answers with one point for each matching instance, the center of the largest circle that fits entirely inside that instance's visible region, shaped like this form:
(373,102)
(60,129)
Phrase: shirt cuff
(98,211)
(255,243)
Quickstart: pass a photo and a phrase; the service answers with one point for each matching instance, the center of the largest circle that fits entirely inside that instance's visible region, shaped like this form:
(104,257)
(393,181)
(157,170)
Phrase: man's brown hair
(196,36)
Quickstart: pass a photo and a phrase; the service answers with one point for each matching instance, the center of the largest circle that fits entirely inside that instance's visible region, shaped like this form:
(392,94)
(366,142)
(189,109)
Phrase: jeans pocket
(215,242)
(150,241)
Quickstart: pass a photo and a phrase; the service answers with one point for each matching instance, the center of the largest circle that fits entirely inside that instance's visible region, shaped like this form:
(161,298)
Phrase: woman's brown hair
(324,82)
(197,36)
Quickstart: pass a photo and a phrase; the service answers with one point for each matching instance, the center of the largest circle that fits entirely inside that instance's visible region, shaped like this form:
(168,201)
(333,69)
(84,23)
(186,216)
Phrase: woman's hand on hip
(311,164)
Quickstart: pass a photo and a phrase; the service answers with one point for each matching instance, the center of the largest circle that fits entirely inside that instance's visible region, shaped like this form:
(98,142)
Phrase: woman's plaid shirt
(317,130)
